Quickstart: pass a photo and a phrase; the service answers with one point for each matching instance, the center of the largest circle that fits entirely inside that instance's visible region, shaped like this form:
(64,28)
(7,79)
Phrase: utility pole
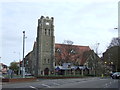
(23,66)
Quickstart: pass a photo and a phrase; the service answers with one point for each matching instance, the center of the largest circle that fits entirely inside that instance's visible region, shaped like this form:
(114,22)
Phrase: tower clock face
(47,23)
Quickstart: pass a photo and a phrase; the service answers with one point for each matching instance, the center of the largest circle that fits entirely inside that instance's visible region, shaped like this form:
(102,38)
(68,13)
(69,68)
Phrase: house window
(27,62)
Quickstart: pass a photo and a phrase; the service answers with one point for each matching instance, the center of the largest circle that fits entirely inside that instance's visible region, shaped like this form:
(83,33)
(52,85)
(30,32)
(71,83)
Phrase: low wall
(40,77)
(18,79)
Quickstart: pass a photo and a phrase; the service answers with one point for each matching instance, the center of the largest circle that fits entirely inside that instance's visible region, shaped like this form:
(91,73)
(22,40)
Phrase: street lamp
(105,62)
(118,31)
(115,28)
(23,66)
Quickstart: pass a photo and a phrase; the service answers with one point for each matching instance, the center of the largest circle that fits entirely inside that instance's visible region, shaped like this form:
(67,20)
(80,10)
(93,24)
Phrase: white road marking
(106,85)
(114,80)
(46,85)
(82,81)
(56,84)
(110,82)
(31,87)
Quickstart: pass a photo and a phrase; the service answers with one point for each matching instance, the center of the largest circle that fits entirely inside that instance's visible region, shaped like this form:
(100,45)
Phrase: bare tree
(69,42)
(114,42)
(112,53)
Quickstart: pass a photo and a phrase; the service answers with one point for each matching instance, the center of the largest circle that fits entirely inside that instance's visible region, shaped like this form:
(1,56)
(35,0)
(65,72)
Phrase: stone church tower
(45,46)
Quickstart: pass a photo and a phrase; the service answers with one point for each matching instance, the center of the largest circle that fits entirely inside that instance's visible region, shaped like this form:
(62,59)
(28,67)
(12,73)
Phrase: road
(95,82)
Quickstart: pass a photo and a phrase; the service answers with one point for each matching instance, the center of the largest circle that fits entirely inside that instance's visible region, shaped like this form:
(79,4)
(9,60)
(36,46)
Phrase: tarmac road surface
(95,82)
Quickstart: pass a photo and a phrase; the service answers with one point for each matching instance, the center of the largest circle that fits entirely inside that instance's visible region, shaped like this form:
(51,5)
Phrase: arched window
(44,61)
(49,32)
(45,32)
(48,60)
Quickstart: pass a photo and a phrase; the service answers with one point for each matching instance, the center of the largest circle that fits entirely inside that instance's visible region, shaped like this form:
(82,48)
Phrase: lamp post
(0,65)
(118,64)
(23,66)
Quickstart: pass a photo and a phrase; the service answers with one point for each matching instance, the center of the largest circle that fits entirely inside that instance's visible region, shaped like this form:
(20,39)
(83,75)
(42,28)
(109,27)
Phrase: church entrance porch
(46,71)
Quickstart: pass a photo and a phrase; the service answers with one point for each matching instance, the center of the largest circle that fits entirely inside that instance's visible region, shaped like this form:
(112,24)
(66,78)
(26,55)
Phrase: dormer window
(72,51)
(58,50)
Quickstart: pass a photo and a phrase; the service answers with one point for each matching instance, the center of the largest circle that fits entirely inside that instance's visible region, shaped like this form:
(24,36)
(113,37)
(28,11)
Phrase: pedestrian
(10,73)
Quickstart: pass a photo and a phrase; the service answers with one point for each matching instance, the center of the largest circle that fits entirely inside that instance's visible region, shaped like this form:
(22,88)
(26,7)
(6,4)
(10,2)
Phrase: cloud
(83,22)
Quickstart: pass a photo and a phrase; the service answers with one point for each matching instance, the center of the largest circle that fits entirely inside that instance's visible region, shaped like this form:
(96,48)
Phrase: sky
(85,22)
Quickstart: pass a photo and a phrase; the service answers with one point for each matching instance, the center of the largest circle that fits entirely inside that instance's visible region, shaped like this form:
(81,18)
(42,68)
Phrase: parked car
(111,73)
(116,75)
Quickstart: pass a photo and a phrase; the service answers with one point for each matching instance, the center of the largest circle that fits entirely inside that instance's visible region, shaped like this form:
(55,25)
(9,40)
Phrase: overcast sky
(85,22)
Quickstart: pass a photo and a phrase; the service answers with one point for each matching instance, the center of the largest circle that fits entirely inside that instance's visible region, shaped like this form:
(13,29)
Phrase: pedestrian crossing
(56,83)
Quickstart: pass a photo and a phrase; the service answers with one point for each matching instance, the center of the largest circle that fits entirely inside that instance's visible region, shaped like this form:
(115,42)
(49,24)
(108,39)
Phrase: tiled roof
(76,56)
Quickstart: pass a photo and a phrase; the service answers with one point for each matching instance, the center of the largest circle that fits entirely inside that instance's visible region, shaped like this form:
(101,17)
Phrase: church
(48,58)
